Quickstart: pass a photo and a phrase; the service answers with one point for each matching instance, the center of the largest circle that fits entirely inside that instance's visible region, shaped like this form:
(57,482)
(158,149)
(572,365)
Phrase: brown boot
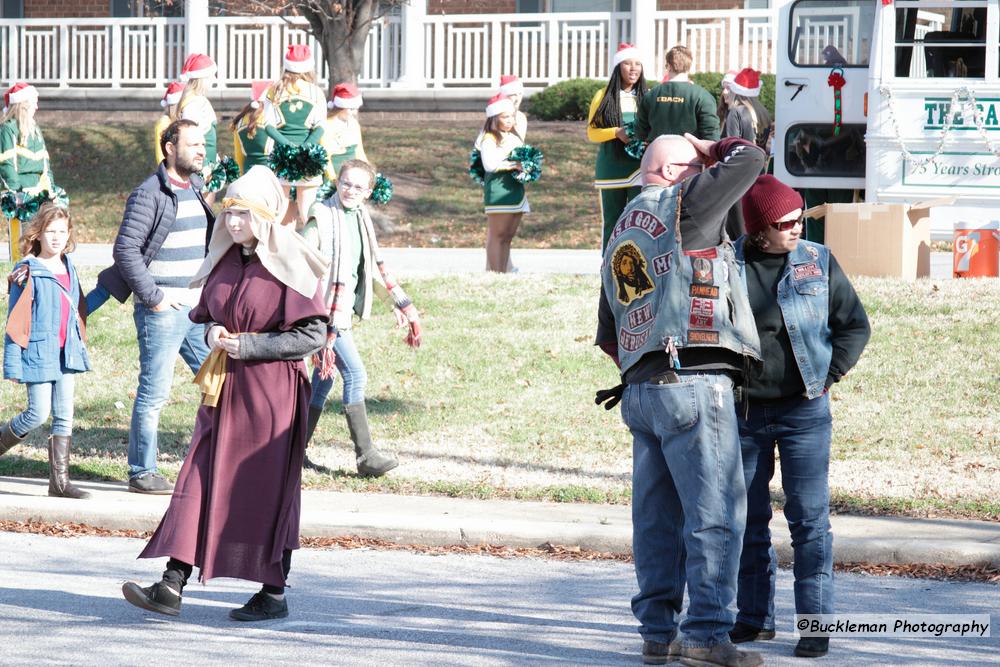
(314,415)
(59,484)
(8,438)
(371,462)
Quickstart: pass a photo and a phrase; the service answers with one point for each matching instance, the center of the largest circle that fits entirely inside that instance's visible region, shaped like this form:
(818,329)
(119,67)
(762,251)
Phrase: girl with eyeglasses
(813,329)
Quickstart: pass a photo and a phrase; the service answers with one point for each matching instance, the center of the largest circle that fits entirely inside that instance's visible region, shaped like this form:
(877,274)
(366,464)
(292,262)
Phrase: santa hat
(625,52)
(746,83)
(173,95)
(511,85)
(257,91)
(728,78)
(19,92)
(345,96)
(298,59)
(499,104)
(198,66)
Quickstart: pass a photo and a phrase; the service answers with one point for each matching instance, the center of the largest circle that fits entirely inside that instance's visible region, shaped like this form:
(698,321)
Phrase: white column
(195,30)
(411,70)
(644,37)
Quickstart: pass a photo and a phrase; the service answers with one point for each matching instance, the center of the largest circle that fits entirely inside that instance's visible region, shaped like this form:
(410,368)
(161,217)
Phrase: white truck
(920,100)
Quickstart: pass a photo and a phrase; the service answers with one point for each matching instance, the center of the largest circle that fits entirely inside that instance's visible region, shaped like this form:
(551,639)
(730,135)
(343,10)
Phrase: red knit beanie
(768,200)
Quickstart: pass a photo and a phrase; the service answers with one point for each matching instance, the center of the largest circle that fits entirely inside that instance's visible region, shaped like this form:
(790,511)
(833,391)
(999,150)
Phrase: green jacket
(23,167)
(676,107)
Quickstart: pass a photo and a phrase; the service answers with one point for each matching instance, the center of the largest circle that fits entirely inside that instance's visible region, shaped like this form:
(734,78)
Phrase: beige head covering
(281,249)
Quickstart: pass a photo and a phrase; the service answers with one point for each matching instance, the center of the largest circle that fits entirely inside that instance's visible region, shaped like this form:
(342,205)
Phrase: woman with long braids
(616,175)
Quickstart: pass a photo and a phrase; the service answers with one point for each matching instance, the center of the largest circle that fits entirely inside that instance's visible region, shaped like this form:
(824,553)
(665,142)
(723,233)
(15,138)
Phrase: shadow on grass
(375,406)
(20,466)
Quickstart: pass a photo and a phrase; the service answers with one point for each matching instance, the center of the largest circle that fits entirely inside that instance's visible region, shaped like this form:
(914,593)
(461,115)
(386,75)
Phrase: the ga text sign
(937,109)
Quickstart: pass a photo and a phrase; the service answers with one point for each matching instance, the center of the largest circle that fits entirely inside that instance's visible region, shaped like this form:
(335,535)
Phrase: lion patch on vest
(629,268)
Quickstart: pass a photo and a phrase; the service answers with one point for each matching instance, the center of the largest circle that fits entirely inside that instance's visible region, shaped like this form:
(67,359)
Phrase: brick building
(122,8)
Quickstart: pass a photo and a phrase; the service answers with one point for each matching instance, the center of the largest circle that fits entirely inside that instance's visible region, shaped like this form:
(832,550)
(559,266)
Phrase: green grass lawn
(498,401)
(436,203)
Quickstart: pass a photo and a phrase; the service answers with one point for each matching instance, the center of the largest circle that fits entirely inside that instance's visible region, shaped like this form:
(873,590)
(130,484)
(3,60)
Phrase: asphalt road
(60,603)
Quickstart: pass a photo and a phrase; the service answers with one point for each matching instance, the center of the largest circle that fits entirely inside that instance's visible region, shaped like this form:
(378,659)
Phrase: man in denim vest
(675,318)
(813,329)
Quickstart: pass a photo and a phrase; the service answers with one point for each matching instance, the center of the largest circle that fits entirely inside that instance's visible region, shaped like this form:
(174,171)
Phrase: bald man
(675,317)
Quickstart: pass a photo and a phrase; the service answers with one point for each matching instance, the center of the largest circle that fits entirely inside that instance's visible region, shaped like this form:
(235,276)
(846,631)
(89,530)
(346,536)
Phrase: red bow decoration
(836,80)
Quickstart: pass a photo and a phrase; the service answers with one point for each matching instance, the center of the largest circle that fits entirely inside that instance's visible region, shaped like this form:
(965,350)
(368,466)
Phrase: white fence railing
(459,50)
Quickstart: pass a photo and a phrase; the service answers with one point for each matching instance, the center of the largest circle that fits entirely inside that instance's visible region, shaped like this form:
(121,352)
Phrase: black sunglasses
(786,225)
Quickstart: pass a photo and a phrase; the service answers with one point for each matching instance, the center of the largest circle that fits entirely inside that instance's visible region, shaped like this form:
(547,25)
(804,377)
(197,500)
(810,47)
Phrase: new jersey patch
(631,341)
(640,317)
(628,266)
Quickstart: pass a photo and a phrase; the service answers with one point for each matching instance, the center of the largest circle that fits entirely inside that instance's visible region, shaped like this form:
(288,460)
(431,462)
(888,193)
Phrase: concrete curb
(435,520)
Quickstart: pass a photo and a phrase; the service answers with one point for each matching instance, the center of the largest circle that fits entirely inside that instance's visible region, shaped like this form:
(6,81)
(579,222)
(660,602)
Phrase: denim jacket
(804,299)
(666,299)
(42,360)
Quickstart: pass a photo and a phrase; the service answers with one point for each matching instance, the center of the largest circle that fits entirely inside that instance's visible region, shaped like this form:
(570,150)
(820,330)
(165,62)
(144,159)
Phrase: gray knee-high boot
(59,484)
(314,415)
(8,438)
(371,462)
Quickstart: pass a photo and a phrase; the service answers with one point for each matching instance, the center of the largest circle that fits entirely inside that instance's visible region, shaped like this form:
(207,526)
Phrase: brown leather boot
(8,438)
(371,462)
(59,484)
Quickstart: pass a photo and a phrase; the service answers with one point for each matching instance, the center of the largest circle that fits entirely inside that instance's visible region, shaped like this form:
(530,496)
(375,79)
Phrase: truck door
(816,38)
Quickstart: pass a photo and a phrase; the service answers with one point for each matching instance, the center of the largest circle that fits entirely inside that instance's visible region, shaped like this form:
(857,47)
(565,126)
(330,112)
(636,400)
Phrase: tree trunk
(343,37)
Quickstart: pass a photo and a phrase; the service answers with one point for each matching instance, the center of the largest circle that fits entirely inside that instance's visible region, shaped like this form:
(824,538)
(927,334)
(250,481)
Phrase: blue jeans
(43,398)
(801,429)
(161,336)
(687,494)
(351,369)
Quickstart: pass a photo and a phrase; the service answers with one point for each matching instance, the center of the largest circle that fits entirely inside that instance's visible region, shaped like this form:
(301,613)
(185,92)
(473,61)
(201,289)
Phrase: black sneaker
(658,653)
(812,647)
(744,632)
(152,483)
(261,607)
(159,597)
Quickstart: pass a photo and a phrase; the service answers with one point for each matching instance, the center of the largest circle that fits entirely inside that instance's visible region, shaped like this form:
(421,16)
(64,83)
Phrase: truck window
(828,34)
(812,150)
(935,40)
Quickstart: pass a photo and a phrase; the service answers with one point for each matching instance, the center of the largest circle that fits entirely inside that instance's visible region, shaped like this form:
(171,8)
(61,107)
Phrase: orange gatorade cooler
(977,249)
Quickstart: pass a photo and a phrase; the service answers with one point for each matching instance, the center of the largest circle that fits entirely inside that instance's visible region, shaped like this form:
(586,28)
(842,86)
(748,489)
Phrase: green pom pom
(635,148)
(297,163)
(530,159)
(382,190)
(24,206)
(327,190)
(225,171)
(476,169)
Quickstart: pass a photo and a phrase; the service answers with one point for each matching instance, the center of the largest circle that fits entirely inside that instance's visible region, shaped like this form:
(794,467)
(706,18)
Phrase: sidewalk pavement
(420,262)
(438,520)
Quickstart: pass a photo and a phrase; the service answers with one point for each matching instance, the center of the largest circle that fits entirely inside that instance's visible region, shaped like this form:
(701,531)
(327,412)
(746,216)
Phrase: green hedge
(570,100)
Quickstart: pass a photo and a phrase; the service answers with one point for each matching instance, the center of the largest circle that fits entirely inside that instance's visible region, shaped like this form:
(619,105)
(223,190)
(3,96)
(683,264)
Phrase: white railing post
(496,51)
(644,32)
(196,26)
(439,52)
(552,44)
(160,69)
(412,73)
(277,49)
(222,53)
(13,49)
(63,74)
(116,54)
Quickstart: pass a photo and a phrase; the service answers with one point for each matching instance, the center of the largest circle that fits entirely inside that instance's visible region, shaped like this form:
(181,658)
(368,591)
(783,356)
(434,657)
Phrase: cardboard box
(882,240)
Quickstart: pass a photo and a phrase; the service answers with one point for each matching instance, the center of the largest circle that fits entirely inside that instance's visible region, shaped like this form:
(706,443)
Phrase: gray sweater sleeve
(303,339)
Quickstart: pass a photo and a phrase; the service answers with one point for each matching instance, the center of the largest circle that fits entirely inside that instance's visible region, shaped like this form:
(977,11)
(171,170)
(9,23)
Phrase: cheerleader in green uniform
(299,108)
(617,173)
(170,102)
(341,129)
(24,160)
(503,195)
(251,142)
(197,73)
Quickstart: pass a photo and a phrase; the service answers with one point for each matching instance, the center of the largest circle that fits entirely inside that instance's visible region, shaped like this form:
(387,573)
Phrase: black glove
(613,396)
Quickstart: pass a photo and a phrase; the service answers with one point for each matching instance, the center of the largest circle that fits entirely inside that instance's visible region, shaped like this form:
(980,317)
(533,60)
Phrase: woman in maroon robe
(235,507)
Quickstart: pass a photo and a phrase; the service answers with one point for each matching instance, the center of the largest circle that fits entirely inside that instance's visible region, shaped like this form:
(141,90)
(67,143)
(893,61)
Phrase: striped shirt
(183,250)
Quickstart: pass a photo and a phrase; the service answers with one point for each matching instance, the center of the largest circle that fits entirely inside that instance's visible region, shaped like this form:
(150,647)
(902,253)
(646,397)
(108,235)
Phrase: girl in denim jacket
(43,345)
